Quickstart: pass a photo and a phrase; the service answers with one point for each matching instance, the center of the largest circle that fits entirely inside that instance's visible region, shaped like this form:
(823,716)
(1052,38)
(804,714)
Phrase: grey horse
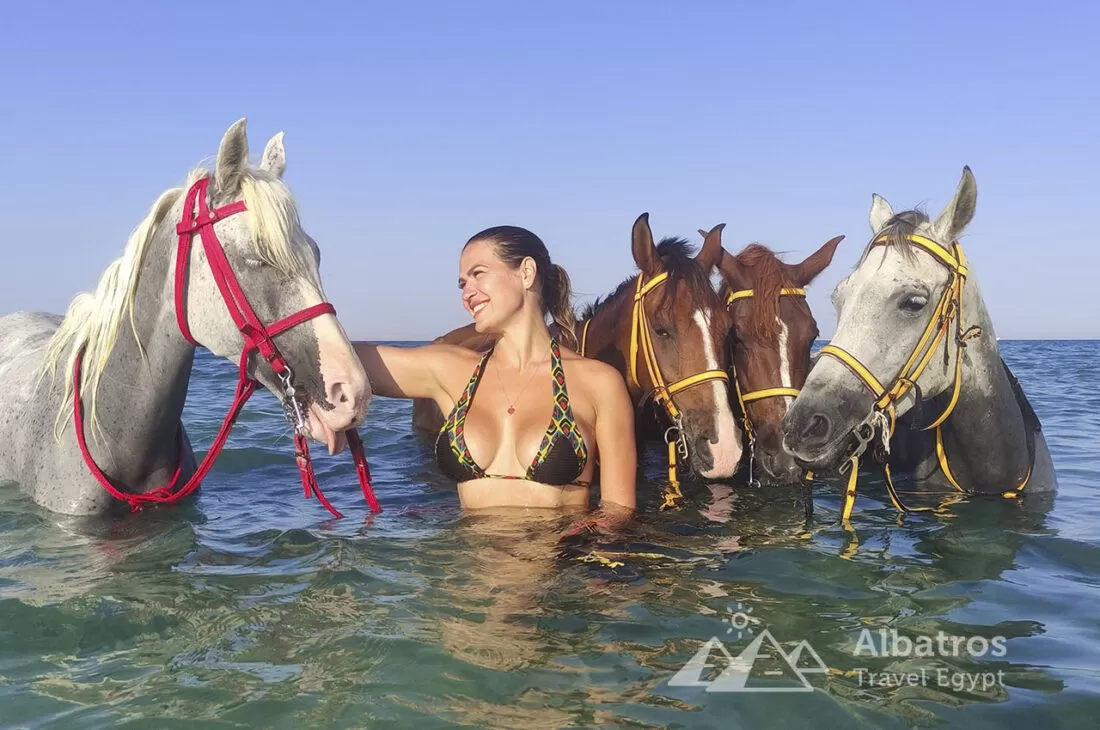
(915,354)
(135,359)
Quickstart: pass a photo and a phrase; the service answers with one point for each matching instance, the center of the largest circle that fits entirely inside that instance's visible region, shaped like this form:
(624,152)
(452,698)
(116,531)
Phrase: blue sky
(410,126)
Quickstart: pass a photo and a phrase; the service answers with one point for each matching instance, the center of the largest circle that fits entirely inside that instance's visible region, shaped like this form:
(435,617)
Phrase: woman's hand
(610,521)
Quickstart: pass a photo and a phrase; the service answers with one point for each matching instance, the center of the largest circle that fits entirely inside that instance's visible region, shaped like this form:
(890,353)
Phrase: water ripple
(252,608)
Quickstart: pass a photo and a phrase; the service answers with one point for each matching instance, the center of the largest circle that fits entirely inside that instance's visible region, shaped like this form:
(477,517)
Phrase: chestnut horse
(770,340)
(664,329)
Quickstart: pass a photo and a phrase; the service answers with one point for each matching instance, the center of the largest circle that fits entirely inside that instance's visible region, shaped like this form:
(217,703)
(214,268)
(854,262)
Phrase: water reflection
(504,620)
(923,578)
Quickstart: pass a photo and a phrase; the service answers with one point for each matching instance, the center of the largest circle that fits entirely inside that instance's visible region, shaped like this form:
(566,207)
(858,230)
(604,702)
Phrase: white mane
(93,321)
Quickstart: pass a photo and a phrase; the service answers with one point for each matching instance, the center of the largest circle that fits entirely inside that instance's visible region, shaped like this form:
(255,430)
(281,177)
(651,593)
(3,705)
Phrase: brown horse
(770,341)
(664,329)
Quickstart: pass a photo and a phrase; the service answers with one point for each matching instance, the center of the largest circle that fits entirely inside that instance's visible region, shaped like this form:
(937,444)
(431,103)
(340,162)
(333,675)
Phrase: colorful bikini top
(561,457)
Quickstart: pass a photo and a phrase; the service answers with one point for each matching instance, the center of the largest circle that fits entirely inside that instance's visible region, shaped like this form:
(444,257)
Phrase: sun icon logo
(739,621)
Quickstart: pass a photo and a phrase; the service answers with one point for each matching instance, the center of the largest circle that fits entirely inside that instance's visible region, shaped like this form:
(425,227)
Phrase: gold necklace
(512,403)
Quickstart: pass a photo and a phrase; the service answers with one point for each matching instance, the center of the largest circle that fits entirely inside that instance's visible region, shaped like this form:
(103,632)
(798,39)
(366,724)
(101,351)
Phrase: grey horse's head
(884,308)
(277,264)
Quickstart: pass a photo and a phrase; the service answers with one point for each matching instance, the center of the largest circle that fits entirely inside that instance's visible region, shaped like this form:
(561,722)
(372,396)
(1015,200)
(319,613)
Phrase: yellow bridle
(641,343)
(743,399)
(948,311)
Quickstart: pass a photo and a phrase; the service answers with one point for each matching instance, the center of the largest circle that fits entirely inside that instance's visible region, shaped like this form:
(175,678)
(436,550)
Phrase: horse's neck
(608,337)
(985,437)
(140,399)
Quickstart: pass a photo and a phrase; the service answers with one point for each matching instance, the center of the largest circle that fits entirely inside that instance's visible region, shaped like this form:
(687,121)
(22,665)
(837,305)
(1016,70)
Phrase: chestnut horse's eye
(662,332)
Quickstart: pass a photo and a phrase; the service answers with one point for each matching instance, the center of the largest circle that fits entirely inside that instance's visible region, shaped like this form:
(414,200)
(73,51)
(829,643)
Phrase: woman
(528,418)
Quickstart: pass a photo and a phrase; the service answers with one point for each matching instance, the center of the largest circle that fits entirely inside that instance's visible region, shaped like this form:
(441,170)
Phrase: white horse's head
(884,310)
(277,265)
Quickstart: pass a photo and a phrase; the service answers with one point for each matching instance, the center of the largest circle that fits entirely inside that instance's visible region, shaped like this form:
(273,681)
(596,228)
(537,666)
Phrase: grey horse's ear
(274,159)
(959,212)
(232,160)
(881,213)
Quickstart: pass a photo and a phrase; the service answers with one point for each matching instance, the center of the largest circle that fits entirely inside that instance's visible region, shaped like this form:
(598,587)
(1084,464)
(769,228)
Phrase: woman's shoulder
(454,353)
(601,387)
(596,375)
(452,365)
(451,362)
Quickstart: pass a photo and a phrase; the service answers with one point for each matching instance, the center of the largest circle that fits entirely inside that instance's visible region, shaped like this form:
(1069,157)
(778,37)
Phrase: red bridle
(256,337)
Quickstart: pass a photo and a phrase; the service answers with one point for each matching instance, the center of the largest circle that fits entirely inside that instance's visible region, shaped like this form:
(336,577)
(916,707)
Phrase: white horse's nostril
(339,393)
(347,396)
(336,394)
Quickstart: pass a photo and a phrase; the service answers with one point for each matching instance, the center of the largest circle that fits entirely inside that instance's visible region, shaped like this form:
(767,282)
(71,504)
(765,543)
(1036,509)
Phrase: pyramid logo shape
(762,666)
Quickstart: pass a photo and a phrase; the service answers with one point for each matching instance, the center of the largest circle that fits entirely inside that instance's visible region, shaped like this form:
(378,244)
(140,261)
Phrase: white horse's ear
(274,159)
(959,212)
(881,212)
(232,160)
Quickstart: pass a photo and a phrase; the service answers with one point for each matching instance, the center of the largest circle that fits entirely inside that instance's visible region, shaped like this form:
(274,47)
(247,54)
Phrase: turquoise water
(252,608)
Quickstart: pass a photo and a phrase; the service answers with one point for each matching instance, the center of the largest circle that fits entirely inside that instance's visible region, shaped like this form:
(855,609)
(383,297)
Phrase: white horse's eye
(913,303)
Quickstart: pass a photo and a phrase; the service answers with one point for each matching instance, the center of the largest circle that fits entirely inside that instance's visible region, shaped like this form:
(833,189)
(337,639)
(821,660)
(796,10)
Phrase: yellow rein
(641,342)
(948,311)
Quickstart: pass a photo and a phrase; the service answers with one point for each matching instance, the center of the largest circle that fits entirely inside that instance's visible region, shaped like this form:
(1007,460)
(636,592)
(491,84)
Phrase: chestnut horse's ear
(645,251)
(702,233)
(711,252)
(732,271)
(805,272)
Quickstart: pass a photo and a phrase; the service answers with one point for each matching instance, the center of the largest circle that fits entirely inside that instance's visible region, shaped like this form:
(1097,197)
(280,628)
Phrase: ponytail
(557,298)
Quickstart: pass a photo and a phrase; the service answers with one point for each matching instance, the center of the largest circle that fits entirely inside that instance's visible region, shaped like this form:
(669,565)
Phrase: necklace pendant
(511,410)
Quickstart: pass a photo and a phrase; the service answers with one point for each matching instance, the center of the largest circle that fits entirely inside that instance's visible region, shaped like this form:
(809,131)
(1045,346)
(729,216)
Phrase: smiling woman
(513,443)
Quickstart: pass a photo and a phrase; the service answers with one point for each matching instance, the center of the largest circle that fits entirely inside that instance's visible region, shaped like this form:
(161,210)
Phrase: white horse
(91,403)
(915,357)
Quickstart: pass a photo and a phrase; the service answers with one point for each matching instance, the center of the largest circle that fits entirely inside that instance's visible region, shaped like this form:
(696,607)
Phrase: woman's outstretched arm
(411,372)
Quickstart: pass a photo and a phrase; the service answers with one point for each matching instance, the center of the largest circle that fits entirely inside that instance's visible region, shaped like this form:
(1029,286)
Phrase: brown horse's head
(667,327)
(773,331)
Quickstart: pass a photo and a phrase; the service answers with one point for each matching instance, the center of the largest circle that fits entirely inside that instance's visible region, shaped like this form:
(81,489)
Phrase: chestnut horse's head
(773,331)
(665,329)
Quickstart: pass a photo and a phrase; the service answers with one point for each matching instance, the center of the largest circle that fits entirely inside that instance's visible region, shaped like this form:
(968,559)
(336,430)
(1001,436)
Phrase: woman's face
(491,290)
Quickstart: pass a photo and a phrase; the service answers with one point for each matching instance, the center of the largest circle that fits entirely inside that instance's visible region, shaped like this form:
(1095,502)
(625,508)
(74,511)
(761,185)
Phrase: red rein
(256,337)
